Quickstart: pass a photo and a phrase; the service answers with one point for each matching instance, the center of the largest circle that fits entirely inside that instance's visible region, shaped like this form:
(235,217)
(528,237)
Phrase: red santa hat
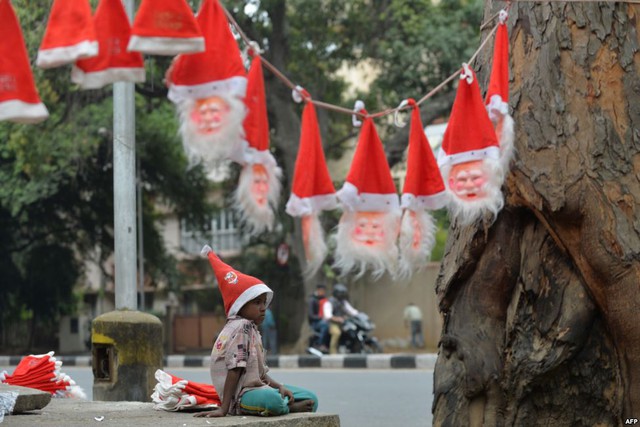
(19,99)
(237,288)
(165,27)
(113,62)
(312,189)
(369,185)
(497,99)
(218,71)
(255,147)
(423,186)
(70,34)
(469,135)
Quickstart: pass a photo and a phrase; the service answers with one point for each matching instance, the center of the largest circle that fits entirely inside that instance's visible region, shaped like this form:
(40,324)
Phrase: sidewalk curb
(334,361)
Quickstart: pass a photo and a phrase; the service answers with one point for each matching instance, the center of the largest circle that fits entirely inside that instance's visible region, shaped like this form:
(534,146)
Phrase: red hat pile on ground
(19,99)
(165,27)
(70,34)
(218,71)
(172,393)
(42,372)
(236,288)
(113,63)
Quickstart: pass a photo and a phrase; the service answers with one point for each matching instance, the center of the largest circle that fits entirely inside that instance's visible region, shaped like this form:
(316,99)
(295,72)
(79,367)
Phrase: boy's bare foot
(301,406)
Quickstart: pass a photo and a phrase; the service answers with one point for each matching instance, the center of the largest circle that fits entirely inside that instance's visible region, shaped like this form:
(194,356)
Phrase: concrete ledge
(80,413)
(329,361)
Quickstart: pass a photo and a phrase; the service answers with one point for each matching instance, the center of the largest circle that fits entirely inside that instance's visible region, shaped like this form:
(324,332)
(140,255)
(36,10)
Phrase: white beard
(316,249)
(412,258)
(350,255)
(258,218)
(217,146)
(467,211)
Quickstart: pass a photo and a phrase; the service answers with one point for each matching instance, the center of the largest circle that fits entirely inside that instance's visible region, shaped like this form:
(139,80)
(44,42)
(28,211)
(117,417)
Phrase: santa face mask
(211,128)
(258,190)
(467,180)
(260,185)
(367,239)
(417,238)
(315,248)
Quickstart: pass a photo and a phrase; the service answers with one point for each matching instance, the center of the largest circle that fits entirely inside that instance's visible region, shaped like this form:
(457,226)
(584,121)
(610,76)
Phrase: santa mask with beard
(255,198)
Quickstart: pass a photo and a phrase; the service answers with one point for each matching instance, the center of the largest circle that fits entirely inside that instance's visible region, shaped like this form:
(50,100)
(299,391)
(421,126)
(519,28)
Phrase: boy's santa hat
(312,189)
(165,27)
(19,99)
(423,186)
(218,71)
(469,135)
(369,186)
(237,288)
(113,63)
(497,98)
(70,34)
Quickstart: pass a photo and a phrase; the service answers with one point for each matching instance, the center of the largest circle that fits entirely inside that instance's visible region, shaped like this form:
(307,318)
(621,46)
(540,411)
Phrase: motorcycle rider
(336,310)
(316,317)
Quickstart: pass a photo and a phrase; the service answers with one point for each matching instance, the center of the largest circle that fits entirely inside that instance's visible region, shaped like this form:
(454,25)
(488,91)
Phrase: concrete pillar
(126,352)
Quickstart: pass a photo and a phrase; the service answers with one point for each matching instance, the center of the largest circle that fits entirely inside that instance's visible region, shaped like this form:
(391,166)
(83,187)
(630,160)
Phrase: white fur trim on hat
(491,152)
(251,293)
(49,58)
(233,86)
(168,46)
(352,200)
(23,112)
(420,203)
(297,206)
(244,154)
(98,79)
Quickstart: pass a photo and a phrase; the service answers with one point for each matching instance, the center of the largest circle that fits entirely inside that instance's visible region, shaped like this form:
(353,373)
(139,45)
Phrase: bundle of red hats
(423,190)
(113,62)
(368,229)
(312,190)
(173,393)
(70,34)
(42,372)
(256,203)
(19,99)
(236,288)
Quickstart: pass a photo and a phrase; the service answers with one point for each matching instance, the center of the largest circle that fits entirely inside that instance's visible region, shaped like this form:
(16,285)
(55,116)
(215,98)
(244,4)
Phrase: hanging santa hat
(19,99)
(469,158)
(497,99)
(113,63)
(368,229)
(207,89)
(165,27)
(70,34)
(369,185)
(237,288)
(312,190)
(218,71)
(423,189)
(258,164)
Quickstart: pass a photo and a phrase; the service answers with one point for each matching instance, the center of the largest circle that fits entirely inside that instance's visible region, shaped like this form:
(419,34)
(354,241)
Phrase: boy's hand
(285,392)
(215,413)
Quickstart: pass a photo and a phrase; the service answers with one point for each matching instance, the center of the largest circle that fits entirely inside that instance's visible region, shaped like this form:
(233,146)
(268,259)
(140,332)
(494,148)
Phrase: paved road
(361,397)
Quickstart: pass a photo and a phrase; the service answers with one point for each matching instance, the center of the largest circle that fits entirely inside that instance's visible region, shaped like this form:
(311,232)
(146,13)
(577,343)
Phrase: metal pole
(124,189)
(140,237)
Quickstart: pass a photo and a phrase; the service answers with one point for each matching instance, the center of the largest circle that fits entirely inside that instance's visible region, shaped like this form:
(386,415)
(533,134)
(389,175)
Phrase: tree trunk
(541,307)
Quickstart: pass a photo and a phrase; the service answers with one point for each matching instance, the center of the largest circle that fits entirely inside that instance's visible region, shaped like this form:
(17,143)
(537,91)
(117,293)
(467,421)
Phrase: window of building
(223,234)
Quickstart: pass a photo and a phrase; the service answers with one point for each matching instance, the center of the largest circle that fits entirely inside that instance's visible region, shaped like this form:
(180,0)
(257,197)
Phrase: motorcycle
(356,337)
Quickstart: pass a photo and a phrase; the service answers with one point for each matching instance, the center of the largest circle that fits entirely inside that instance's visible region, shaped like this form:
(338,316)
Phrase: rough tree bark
(541,306)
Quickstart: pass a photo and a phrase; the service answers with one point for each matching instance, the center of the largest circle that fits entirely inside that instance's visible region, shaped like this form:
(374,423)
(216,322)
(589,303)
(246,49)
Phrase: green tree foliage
(56,197)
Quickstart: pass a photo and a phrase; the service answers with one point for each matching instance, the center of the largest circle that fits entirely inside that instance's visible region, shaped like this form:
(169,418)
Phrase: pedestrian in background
(269,332)
(413,320)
